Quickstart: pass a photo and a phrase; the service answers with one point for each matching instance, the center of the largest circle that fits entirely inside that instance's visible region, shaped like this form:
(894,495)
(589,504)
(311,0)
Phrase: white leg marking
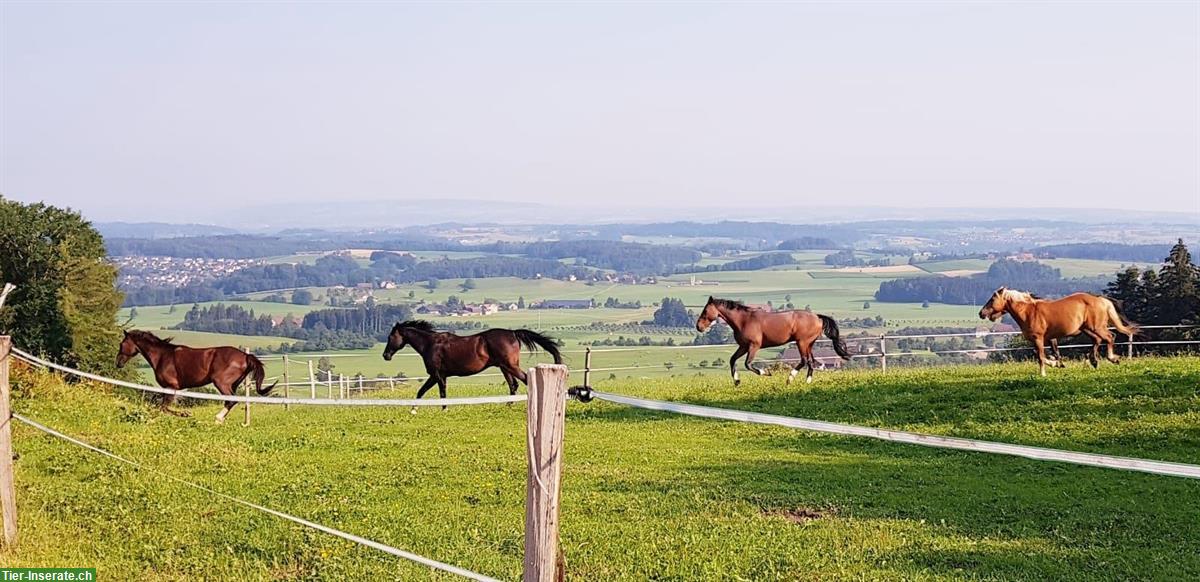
(808,380)
(735,376)
(221,415)
(413,411)
(793,374)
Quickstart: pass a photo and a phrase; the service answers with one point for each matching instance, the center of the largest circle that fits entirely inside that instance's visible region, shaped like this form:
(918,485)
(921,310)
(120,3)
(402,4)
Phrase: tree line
(1028,276)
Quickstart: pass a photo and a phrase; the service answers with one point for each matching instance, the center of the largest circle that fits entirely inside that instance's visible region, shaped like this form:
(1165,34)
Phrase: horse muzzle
(387,356)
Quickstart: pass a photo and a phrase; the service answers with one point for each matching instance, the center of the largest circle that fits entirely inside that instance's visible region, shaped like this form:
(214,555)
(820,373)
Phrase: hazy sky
(160,111)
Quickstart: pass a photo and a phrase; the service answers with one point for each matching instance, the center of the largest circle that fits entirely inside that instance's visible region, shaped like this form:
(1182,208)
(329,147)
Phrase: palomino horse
(1041,320)
(181,367)
(447,354)
(754,329)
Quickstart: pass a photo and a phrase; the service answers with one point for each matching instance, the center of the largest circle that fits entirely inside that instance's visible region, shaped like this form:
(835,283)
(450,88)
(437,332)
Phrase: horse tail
(831,331)
(1116,316)
(255,367)
(532,340)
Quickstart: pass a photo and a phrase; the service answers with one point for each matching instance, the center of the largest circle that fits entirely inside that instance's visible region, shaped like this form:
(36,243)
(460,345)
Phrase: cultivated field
(645,495)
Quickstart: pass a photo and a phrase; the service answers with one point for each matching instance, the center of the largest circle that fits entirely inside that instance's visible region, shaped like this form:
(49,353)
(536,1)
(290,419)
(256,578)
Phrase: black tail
(831,331)
(532,340)
(259,374)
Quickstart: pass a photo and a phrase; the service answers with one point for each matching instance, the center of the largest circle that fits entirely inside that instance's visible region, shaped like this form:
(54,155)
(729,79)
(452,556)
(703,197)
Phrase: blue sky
(141,111)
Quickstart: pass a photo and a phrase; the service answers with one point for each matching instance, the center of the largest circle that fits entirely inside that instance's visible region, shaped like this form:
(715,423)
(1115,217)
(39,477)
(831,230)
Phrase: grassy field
(646,495)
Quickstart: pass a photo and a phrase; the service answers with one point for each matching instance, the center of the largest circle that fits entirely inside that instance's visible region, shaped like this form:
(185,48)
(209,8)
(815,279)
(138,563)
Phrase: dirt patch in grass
(804,514)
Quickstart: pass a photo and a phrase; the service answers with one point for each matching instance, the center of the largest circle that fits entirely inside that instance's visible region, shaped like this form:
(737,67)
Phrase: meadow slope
(646,495)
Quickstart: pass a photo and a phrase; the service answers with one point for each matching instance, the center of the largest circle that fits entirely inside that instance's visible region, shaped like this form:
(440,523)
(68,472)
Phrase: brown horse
(446,354)
(1041,320)
(755,329)
(180,367)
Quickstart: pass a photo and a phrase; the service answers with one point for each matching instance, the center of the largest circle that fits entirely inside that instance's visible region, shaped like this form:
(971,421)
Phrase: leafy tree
(925,304)
(412,294)
(866,305)
(432,283)
(672,313)
(302,297)
(467,285)
(66,301)
(521,302)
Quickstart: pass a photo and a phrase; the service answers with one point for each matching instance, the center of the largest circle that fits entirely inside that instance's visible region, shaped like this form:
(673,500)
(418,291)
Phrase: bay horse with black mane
(1041,320)
(754,329)
(446,354)
(180,367)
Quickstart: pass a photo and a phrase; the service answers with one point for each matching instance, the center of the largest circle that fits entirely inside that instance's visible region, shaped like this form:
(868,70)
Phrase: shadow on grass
(963,514)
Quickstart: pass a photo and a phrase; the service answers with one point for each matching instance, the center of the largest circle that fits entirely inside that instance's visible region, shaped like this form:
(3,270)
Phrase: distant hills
(158,230)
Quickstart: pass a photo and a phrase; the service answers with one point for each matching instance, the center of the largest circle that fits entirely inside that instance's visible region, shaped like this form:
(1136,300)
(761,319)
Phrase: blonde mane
(1018,296)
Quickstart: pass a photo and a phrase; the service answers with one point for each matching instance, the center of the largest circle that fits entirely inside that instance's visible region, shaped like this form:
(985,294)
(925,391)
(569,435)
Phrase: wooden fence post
(312,382)
(286,382)
(360,385)
(587,367)
(246,405)
(8,494)
(546,416)
(883,353)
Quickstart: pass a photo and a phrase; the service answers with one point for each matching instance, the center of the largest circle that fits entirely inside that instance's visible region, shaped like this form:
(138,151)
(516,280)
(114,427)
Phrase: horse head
(996,305)
(707,315)
(395,342)
(128,349)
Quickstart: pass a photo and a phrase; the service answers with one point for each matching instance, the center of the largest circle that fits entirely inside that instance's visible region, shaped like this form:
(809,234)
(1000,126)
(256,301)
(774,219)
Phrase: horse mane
(417,324)
(731,304)
(1014,295)
(166,342)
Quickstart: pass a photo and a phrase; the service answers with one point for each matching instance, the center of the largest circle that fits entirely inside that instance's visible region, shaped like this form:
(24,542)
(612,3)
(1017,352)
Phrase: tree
(1176,292)
(412,294)
(66,301)
(925,304)
(133,313)
(521,302)
(672,313)
(302,297)
(172,309)
(432,283)
(866,305)
(467,285)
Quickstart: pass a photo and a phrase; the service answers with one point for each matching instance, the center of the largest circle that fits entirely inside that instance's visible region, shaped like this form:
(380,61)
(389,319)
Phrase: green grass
(645,495)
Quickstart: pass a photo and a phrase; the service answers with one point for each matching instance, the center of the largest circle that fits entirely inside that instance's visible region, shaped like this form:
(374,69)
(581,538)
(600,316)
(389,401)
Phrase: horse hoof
(413,411)
(220,420)
(737,383)
(808,380)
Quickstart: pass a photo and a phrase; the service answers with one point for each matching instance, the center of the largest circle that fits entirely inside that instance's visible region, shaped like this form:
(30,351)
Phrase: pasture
(646,495)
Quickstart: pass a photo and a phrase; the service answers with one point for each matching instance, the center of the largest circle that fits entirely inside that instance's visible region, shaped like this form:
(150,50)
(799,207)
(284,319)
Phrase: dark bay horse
(1041,320)
(446,354)
(754,329)
(180,367)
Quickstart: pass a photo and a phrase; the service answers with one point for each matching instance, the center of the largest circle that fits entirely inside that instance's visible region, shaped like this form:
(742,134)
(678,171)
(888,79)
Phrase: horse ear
(710,298)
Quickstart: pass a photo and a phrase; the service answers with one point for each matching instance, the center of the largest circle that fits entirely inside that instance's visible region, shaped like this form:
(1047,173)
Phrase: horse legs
(741,351)
(1039,344)
(808,357)
(750,353)
(511,381)
(229,404)
(1094,357)
(800,364)
(1058,361)
(1108,337)
(167,401)
(442,390)
(429,382)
